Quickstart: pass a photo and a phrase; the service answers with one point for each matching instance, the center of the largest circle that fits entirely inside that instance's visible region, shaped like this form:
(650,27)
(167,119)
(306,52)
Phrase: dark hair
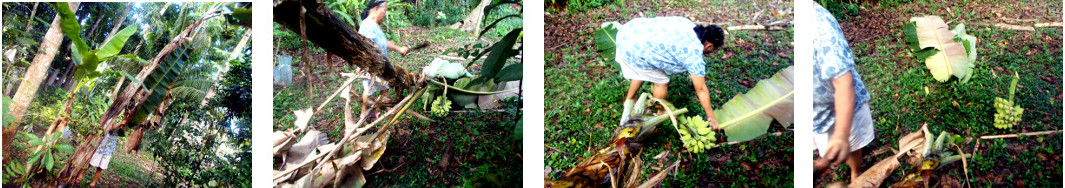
(712,34)
(370,5)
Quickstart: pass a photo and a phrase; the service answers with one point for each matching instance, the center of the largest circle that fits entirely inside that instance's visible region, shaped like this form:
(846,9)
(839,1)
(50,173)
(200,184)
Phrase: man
(650,49)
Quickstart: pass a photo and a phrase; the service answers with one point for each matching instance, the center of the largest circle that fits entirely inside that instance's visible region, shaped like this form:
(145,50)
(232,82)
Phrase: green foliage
(585,5)
(6,113)
(46,155)
(437,12)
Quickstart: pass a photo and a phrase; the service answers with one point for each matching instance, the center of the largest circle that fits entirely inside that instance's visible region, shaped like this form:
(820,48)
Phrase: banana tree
(136,92)
(87,62)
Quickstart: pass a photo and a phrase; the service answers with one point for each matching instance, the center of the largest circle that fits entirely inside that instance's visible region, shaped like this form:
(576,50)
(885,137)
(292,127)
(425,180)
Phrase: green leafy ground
(905,96)
(584,95)
(459,149)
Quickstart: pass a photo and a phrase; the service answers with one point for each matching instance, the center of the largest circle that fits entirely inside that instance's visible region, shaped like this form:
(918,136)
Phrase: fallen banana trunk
(618,163)
(313,162)
(922,148)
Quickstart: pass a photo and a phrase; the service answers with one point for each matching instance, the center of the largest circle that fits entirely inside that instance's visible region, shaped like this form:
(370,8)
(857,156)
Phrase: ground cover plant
(584,95)
(170,80)
(410,153)
(905,94)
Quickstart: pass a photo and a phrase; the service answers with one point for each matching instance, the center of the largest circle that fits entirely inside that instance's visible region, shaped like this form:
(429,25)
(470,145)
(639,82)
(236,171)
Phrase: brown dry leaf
(282,142)
(657,179)
(302,118)
(304,148)
(876,174)
(350,177)
(911,142)
(371,154)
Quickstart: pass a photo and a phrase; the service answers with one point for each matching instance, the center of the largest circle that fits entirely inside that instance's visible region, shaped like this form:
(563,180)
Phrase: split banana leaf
(747,116)
(946,52)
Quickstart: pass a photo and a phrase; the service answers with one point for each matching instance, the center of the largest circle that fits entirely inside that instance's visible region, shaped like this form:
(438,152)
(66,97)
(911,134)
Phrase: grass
(905,96)
(475,148)
(583,98)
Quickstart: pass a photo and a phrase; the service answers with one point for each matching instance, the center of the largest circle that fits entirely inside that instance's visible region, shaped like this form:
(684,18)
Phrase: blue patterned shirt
(665,43)
(832,59)
(370,29)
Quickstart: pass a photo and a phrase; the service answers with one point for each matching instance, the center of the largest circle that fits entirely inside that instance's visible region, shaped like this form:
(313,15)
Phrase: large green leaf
(606,40)
(114,45)
(747,116)
(510,73)
(71,28)
(497,56)
(87,65)
(951,57)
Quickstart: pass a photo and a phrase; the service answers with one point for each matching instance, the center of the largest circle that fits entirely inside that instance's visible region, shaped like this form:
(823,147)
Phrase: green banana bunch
(441,106)
(696,134)
(1007,114)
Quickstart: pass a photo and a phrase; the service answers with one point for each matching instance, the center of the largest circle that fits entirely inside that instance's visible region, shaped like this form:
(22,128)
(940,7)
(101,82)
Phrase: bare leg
(659,92)
(855,162)
(634,86)
(96,176)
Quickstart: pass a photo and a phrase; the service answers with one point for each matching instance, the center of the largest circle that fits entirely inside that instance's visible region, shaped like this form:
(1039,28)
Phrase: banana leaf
(954,52)
(606,40)
(160,80)
(747,116)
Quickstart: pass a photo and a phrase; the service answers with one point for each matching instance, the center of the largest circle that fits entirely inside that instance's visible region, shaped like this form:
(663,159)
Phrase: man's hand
(838,149)
(404,50)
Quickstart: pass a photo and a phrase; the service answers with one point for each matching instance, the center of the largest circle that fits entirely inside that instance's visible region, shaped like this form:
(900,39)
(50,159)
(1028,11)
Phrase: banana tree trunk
(133,94)
(326,30)
(34,75)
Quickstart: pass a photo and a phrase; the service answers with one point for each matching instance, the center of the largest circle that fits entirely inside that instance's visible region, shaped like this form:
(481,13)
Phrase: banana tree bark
(127,96)
(34,75)
(133,94)
(326,30)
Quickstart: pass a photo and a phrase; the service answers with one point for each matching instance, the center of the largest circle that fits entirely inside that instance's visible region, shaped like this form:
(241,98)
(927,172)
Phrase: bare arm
(401,49)
(699,83)
(839,144)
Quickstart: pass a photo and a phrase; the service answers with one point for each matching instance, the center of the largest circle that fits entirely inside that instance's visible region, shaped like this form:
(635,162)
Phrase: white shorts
(378,85)
(633,73)
(102,157)
(862,132)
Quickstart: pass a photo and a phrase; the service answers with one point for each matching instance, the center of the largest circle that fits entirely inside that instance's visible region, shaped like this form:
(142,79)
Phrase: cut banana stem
(927,142)
(951,159)
(939,141)
(641,104)
(627,112)
(661,118)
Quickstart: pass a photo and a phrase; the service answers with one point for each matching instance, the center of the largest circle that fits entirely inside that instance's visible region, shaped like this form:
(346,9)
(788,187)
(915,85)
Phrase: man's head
(711,36)
(377,8)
